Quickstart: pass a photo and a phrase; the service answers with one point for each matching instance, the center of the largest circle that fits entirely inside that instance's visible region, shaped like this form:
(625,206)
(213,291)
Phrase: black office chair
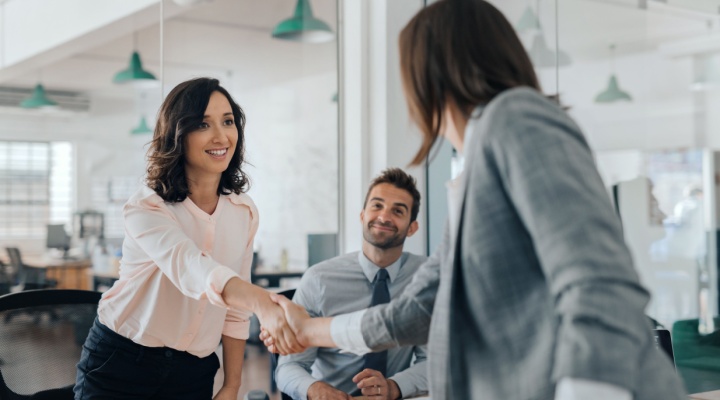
(26,277)
(274,357)
(39,358)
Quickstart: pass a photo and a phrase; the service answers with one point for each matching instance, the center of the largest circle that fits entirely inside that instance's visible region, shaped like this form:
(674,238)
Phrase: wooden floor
(45,345)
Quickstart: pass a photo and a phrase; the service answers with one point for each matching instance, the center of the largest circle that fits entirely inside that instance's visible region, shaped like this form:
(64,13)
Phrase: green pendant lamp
(543,57)
(613,92)
(303,26)
(142,128)
(38,99)
(528,21)
(135,74)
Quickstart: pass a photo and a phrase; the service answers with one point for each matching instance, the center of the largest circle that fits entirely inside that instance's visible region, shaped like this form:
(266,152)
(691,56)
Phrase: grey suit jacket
(537,283)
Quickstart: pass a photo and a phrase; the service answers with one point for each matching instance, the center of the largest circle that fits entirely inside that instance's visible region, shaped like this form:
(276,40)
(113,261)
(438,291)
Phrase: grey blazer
(537,283)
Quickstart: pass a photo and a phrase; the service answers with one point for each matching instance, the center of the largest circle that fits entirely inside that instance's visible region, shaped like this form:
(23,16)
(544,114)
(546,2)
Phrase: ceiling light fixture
(612,92)
(135,74)
(543,57)
(528,22)
(142,127)
(303,26)
(38,99)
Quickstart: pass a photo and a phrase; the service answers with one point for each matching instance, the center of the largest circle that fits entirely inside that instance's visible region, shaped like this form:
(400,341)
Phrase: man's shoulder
(413,261)
(332,264)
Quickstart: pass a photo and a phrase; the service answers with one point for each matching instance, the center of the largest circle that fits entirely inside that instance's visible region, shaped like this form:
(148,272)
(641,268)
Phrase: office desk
(273,277)
(69,273)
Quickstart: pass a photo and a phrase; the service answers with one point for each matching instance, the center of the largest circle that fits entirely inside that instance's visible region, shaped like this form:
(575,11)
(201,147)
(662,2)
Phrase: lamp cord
(162,48)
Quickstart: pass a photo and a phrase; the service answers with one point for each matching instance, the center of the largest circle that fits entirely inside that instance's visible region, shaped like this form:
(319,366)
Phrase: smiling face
(386,217)
(208,149)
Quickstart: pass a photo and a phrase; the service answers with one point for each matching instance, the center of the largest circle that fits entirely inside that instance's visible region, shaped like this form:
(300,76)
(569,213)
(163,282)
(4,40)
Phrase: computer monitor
(57,238)
(321,247)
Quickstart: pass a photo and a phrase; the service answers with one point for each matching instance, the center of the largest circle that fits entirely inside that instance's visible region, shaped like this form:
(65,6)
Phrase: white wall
(291,135)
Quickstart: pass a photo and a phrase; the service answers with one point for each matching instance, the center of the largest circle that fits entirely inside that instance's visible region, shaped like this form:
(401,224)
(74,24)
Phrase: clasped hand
(294,316)
(280,322)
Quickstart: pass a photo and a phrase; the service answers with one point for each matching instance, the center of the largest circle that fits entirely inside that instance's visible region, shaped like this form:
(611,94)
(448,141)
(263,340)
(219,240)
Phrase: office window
(36,187)
(109,195)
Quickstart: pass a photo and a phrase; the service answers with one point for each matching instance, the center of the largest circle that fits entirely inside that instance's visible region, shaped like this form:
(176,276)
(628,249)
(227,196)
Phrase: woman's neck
(203,192)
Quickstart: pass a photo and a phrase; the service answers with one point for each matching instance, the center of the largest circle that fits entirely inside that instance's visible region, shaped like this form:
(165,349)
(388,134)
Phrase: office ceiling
(230,39)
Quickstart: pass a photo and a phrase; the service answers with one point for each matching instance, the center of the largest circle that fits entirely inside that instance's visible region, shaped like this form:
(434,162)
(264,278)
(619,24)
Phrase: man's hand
(323,391)
(295,316)
(272,318)
(227,393)
(373,385)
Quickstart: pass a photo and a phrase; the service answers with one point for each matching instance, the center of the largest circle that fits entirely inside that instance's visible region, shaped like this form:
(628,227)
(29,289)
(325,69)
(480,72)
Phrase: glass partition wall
(641,79)
(104,72)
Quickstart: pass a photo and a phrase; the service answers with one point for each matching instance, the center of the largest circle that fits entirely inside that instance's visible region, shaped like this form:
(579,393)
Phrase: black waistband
(121,341)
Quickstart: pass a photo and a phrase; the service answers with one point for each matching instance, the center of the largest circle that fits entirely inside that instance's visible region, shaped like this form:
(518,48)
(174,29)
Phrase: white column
(376,132)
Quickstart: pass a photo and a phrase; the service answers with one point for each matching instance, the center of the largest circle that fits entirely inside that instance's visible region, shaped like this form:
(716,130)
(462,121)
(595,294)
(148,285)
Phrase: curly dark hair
(180,114)
(401,180)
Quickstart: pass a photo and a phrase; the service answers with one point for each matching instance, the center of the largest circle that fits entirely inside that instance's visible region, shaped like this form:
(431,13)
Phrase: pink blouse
(176,262)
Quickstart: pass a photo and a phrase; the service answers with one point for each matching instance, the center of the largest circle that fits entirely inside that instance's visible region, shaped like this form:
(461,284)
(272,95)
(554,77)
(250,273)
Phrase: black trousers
(114,367)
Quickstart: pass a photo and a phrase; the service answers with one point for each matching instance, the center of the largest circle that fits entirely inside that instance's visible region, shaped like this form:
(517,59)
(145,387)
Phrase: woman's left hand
(227,393)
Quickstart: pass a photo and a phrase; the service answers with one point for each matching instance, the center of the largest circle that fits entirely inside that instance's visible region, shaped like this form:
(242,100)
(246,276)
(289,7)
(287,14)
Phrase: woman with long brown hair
(184,276)
(533,294)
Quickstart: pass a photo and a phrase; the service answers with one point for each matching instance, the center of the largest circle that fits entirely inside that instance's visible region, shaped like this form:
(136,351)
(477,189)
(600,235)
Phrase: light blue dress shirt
(341,285)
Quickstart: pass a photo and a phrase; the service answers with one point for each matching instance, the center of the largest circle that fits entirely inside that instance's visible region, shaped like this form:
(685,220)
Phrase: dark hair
(181,113)
(462,49)
(401,180)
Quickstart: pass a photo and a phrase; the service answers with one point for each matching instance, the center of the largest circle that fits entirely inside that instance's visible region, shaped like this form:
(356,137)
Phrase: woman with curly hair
(184,277)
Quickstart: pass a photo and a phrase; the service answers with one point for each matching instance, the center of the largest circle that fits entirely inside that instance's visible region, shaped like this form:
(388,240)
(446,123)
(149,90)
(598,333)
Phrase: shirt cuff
(346,332)
(215,283)
(237,329)
(303,387)
(583,389)
(406,388)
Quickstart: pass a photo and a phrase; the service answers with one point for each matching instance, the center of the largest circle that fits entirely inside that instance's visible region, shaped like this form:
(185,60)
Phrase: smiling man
(352,282)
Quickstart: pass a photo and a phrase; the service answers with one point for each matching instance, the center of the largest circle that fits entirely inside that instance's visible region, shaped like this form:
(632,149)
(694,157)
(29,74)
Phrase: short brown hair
(401,180)
(462,49)
(180,114)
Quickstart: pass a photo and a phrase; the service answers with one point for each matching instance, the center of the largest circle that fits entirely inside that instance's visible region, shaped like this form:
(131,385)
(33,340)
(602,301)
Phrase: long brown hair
(180,114)
(462,50)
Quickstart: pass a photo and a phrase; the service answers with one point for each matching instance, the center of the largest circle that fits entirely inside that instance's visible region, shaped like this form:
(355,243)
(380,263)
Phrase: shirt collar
(470,127)
(370,269)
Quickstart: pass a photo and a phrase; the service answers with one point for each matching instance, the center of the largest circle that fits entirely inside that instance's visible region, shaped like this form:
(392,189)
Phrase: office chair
(25,276)
(39,358)
(274,357)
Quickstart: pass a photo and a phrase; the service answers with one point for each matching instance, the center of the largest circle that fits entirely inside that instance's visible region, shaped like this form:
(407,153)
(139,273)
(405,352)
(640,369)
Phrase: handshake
(285,326)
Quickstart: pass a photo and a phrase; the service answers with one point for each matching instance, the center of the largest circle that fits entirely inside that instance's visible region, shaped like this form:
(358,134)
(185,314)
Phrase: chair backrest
(15,258)
(41,344)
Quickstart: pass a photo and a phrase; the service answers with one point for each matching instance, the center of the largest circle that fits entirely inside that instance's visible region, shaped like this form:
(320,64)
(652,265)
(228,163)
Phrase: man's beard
(390,242)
